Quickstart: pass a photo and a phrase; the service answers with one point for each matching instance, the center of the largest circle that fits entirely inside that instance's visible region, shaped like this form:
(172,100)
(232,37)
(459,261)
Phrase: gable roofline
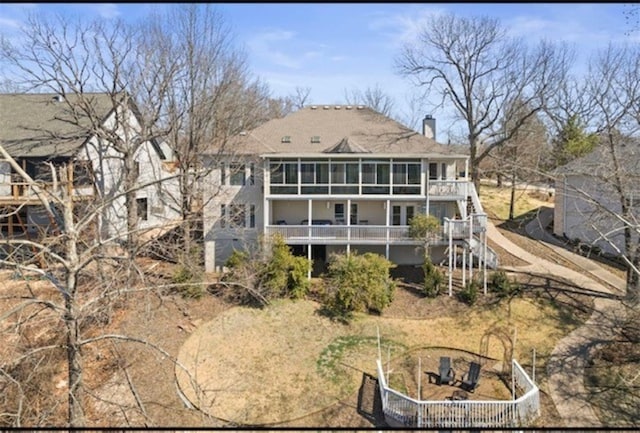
(316,129)
(33,125)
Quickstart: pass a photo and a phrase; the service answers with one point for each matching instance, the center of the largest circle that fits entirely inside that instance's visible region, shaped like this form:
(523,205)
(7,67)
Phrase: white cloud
(262,46)
(273,46)
(106,10)
(9,22)
(403,27)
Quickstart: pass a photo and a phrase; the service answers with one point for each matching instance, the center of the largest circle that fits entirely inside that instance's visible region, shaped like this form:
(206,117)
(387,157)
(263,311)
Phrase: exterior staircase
(474,208)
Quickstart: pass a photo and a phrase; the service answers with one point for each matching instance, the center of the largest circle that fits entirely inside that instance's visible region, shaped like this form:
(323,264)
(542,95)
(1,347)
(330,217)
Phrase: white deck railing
(447,188)
(342,233)
(401,410)
(26,191)
(460,228)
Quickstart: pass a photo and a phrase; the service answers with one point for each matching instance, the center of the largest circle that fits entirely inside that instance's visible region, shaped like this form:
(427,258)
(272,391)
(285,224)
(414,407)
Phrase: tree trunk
(187,223)
(131,176)
(512,200)
(74,357)
(74,362)
(473,162)
(633,279)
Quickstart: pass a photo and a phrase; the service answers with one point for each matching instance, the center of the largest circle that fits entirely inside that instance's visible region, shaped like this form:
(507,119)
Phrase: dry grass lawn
(495,201)
(284,362)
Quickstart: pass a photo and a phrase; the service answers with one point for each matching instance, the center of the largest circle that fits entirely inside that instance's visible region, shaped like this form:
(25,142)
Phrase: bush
(423,226)
(254,277)
(469,294)
(433,278)
(284,275)
(358,283)
(502,285)
(188,282)
(236,259)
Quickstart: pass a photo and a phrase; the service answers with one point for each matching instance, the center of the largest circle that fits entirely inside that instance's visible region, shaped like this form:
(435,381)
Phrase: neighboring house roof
(323,129)
(39,125)
(599,162)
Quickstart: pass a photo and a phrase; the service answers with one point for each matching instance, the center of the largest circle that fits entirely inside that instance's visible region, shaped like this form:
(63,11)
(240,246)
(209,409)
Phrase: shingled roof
(39,124)
(599,162)
(325,129)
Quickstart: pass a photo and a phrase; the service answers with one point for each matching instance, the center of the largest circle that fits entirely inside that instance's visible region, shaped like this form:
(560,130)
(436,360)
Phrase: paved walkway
(565,368)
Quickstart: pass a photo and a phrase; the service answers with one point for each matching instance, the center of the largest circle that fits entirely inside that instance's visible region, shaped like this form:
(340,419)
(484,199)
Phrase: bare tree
(632,17)
(210,98)
(372,97)
(472,64)
(301,97)
(518,159)
(95,68)
(605,182)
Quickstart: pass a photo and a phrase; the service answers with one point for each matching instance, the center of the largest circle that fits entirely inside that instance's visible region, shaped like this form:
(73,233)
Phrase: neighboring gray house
(339,178)
(589,190)
(36,129)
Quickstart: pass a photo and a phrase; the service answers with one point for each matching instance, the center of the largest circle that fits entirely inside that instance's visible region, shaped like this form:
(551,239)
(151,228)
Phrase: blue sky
(333,47)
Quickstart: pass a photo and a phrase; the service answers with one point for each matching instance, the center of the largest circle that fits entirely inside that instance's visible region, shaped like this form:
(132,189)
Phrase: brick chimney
(429,126)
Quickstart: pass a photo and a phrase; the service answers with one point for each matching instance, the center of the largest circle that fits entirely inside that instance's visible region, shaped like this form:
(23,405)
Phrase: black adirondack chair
(471,379)
(445,372)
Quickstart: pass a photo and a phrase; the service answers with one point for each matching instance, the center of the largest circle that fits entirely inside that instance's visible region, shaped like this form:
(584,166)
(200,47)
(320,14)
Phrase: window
(413,174)
(252,216)
(251,175)
(223,174)
(223,215)
(410,213)
(443,173)
(352,173)
(433,171)
(337,173)
(237,174)
(315,139)
(284,173)
(308,173)
(399,174)
(141,204)
(339,213)
(368,173)
(396,215)
(354,214)
(383,174)
(406,174)
(136,168)
(277,173)
(82,173)
(238,215)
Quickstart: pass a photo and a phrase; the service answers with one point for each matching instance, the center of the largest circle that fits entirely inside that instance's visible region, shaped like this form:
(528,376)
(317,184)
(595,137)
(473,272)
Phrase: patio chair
(471,379)
(445,372)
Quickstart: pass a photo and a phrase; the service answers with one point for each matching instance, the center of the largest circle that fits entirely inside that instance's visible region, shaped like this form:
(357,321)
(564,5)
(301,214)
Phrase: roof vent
(315,139)
(337,107)
(360,107)
(58,98)
(326,107)
(313,107)
(348,107)
(286,139)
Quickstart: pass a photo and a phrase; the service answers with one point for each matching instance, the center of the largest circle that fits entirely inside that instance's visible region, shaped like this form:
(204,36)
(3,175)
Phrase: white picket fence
(403,411)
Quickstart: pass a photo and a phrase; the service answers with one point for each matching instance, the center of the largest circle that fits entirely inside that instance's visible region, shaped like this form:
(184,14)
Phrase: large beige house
(336,179)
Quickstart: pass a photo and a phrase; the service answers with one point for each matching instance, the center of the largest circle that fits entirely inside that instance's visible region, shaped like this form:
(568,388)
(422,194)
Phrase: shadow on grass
(369,401)
(518,224)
